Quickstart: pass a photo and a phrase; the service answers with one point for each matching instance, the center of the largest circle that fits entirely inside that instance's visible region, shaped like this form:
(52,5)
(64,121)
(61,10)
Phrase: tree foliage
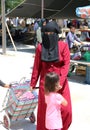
(10,4)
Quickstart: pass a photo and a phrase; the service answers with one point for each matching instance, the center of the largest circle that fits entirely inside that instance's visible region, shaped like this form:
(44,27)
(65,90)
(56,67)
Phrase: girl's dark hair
(51,80)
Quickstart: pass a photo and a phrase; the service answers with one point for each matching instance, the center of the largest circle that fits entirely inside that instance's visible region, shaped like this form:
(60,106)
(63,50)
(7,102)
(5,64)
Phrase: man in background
(72,38)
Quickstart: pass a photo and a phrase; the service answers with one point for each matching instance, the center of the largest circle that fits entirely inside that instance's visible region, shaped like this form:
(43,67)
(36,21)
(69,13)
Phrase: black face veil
(50,43)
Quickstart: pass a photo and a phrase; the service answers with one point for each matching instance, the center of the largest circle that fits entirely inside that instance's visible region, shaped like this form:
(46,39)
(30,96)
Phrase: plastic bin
(86,56)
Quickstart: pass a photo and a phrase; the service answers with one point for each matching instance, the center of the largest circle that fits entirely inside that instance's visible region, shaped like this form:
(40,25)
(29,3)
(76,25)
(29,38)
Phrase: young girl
(53,100)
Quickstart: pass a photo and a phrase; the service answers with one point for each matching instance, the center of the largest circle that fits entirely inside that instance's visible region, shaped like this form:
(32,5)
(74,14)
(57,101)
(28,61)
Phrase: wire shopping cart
(19,103)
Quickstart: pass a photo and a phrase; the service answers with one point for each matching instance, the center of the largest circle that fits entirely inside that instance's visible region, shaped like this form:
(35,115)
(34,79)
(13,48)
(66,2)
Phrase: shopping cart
(19,103)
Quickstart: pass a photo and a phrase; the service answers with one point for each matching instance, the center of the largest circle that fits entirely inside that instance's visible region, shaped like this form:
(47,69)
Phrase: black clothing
(52,27)
(50,43)
(50,48)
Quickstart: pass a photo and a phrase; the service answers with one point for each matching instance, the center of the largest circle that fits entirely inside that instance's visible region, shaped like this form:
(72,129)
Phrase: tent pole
(42,8)
(3,26)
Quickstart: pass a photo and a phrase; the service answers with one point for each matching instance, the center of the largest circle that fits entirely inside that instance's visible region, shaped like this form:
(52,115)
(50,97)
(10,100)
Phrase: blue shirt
(71,37)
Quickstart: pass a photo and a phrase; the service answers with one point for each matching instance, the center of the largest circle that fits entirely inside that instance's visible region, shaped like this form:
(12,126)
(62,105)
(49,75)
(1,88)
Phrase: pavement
(15,65)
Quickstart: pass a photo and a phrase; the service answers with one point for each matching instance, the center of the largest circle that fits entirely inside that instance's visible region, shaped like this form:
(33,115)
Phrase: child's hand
(58,88)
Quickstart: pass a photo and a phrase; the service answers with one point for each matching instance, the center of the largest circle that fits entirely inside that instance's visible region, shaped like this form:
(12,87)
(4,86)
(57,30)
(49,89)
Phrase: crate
(81,70)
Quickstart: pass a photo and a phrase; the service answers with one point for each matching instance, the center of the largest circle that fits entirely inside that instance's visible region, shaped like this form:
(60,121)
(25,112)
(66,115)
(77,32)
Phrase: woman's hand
(31,88)
(7,86)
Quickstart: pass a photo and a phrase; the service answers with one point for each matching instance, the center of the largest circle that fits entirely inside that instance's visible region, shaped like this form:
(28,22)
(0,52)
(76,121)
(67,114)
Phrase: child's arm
(61,100)
(64,102)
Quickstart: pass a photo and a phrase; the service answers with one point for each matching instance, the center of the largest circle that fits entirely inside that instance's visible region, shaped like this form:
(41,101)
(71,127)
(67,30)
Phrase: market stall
(81,58)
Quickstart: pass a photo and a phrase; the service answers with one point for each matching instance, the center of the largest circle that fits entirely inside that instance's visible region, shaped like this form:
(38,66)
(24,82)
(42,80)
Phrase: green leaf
(10,4)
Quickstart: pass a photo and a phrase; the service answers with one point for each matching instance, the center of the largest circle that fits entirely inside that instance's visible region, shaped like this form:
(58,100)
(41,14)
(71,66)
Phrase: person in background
(39,31)
(43,24)
(72,38)
(36,26)
(53,100)
(52,55)
(4,85)
(32,27)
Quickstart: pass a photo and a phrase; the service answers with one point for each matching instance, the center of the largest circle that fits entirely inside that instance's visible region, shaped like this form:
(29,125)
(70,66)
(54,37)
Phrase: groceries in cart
(19,103)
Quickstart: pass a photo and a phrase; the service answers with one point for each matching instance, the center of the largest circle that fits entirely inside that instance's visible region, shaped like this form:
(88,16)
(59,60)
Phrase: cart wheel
(32,118)
(6,121)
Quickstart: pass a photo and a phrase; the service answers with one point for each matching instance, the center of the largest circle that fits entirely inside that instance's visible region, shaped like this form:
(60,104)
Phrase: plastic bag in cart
(19,103)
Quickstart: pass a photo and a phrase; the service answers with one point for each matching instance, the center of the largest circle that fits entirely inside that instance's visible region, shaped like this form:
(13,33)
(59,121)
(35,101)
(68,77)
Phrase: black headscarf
(50,43)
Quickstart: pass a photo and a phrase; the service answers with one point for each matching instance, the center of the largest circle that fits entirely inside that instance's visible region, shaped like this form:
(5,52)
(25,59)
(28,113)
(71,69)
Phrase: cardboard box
(81,70)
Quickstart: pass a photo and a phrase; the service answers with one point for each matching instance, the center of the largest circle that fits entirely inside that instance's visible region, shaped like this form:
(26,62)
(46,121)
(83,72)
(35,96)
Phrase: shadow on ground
(21,47)
(77,78)
(23,124)
(30,50)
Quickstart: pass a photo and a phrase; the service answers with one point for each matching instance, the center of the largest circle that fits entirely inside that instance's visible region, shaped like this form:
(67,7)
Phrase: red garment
(61,67)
